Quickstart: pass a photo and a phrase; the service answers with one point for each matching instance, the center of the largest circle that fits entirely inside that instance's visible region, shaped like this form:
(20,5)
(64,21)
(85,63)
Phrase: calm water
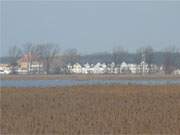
(49,83)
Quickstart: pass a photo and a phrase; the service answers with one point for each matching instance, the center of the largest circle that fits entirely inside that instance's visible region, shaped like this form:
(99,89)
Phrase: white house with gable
(99,68)
(86,68)
(77,68)
(124,68)
(132,68)
(176,72)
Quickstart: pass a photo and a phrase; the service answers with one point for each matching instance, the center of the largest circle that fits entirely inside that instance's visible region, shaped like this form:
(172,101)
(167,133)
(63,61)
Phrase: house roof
(28,57)
(124,64)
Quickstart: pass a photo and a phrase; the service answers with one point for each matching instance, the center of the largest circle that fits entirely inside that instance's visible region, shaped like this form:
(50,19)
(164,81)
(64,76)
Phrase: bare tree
(138,56)
(145,54)
(27,48)
(30,50)
(71,56)
(177,59)
(14,53)
(149,54)
(119,55)
(47,52)
(169,59)
(58,65)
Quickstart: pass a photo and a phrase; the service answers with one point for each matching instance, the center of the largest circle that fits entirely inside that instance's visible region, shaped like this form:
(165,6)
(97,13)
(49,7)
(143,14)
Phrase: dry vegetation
(87,77)
(91,110)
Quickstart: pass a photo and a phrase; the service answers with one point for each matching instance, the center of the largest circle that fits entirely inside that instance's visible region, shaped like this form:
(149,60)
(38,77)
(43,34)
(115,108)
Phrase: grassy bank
(91,110)
(86,77)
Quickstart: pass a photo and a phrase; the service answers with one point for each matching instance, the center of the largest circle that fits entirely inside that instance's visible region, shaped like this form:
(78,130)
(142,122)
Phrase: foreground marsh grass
(91,110)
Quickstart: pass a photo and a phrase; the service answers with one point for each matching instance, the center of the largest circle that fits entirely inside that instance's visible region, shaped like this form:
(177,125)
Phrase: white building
(110,68)
(124,68)
(35,67)
(77,68)
(99,68)
(117,69)
(69,68)
(142,68)
(5,69)
(86,68)
(132,68)
(176,72)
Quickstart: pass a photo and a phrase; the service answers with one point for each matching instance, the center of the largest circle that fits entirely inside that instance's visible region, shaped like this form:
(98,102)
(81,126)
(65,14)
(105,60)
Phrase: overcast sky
(90,26)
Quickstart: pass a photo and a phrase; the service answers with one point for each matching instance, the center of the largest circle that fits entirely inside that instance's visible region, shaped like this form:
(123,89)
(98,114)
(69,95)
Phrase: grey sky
(90,26)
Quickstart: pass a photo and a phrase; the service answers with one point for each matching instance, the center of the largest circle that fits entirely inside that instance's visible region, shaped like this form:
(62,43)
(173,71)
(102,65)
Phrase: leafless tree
(138,55)
(169,59)
(58,65)
(15,53)
(177,59)
(149,55)
(145,54)
(119,55)
(27,48)
(71,56)
(32,50)
(47,52)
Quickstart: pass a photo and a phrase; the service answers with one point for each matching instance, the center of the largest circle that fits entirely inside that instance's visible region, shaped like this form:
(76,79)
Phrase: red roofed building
(29,63)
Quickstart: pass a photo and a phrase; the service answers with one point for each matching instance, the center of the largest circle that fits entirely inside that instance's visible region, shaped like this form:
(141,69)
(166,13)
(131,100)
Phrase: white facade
(124,67)
(176,72)
(132,68)
(5,69)
(22,71)
(86,68)
(99,68)
(35,67)
(77,68)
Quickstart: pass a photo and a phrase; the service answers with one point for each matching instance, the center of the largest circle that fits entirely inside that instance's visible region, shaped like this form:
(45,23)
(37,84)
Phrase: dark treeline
(107,58)
(158,58)
(54,59)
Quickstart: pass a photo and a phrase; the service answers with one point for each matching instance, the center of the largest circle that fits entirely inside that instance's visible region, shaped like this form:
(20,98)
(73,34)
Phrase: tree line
(56,61)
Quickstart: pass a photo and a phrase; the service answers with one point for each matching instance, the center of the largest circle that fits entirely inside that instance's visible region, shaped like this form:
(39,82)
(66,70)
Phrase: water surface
(53,83)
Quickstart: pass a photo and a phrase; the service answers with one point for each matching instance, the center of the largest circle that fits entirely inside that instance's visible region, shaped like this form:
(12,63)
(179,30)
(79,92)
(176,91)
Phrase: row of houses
(123,68)
(29,64)
(26,64)
(5,68)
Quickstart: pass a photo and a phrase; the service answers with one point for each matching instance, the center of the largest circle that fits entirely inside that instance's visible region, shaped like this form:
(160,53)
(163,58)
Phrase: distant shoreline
(88,77)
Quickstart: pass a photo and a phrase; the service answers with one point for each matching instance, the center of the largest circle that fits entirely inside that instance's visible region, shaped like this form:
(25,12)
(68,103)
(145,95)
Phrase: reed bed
(91,110)
(88,77)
